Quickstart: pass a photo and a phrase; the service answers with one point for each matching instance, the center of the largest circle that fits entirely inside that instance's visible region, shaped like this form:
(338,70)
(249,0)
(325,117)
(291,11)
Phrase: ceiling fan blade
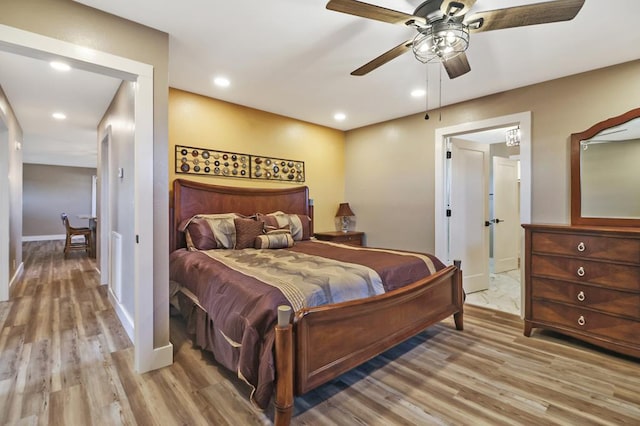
(520,16)
(365,10)
(457,66)
(384,58)
(456,7)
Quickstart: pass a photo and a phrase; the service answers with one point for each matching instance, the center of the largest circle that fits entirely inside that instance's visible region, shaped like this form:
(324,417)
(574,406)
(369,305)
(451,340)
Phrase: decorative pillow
(198,234)
(273,240)
(300,224)
(210,231)
(269,229)
(246,232)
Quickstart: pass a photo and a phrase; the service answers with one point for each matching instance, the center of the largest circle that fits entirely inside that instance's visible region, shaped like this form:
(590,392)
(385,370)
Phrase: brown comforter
(241,309)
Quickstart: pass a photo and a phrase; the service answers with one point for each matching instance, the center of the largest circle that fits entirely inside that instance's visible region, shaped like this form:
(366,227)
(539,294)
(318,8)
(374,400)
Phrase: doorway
(106,208)
(445,230)
(33,45)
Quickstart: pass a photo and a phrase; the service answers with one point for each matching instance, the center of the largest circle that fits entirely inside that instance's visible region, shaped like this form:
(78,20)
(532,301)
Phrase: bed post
(284,367)
(458,316)
(311,214)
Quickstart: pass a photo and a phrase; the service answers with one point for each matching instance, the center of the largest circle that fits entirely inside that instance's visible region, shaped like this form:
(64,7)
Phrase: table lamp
(345,213)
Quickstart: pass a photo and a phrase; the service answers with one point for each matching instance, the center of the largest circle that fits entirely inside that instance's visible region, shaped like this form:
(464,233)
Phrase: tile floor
(504,293)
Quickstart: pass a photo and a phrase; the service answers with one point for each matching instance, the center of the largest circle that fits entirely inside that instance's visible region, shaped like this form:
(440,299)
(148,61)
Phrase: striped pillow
(300,225)
(274,240)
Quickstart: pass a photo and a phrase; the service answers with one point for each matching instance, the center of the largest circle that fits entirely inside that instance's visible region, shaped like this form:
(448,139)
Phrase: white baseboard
(123,316)
(43,237)
(162,357)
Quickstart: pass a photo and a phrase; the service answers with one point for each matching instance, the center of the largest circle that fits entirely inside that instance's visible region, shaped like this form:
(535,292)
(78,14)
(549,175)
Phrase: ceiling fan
(443,27)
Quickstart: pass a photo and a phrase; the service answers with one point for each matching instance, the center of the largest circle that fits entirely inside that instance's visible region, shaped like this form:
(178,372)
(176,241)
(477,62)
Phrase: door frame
(104,206)
(5,209)
(26,43)
(523,119)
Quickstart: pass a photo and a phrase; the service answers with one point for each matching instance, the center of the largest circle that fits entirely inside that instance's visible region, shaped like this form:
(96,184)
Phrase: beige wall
(199,121)
(396,157)
(119,120)
(76,23)
(48,191)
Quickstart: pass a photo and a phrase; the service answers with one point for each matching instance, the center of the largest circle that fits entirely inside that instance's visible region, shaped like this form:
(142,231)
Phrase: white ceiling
(293,57)
(35,91)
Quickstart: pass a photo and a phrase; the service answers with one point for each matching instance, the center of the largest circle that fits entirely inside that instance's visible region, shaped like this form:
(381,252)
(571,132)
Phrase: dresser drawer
(353,238)
(585,321)
(602,299)
(607,274)
(349,239)
(588,246)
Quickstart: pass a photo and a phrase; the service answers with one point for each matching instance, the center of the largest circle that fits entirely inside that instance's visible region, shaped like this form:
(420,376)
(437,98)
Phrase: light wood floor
(65,360)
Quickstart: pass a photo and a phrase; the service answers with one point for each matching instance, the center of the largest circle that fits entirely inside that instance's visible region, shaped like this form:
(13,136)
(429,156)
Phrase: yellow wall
(199,121)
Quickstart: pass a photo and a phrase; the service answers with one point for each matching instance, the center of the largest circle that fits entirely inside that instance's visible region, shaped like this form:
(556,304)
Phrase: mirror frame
(576,194)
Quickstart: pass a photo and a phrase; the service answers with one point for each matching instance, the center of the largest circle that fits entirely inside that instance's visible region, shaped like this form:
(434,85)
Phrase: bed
(294,348)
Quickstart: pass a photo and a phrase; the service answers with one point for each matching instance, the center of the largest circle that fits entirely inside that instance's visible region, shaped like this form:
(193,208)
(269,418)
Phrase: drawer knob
(580,272)
(581,247)
(581,320)
(581,296)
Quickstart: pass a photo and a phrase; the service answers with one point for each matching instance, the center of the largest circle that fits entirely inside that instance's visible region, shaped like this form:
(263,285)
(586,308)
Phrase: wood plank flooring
(65,360)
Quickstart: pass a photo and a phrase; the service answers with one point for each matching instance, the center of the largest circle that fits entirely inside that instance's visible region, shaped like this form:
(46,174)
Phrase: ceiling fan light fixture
(441,40)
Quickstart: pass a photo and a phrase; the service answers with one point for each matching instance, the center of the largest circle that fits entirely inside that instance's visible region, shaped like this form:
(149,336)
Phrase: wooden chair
(69,244)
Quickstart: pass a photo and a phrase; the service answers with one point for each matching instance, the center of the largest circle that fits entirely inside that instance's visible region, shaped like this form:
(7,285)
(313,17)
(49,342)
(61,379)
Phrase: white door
(506,215)
(469,204)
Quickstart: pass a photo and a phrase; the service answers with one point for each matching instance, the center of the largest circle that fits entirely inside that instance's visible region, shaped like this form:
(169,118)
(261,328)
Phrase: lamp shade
(344,210)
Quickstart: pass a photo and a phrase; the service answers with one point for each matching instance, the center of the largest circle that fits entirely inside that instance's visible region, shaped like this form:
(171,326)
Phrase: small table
(353,238)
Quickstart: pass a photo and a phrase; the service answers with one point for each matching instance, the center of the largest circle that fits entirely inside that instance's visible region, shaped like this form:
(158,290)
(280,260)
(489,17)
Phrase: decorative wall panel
(210,162)
(202,161)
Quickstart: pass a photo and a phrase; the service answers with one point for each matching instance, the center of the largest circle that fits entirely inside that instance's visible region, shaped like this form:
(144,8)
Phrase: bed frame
(315,345)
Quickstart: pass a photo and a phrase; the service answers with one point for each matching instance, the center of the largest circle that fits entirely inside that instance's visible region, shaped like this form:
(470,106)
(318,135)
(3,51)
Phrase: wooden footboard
(330,340)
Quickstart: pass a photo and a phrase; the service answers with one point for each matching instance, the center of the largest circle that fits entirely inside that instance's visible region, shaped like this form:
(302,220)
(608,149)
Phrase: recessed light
(339,116)
(58,116)
(60,66)
(418,93)
(221,82)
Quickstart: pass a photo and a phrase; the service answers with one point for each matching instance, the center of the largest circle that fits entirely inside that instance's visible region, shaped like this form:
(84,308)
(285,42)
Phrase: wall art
(211,162)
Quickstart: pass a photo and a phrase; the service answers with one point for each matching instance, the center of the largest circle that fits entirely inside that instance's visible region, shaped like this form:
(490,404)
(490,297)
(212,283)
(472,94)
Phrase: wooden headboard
(191,198)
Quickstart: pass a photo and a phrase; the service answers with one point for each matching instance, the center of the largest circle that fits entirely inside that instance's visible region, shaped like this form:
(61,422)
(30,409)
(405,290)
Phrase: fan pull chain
(440,96)
(426,95)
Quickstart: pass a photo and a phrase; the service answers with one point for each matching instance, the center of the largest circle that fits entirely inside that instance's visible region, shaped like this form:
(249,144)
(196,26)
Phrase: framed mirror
(605,172)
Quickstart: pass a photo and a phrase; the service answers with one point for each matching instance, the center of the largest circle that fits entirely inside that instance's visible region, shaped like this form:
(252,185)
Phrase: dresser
(584,281)
(353,238)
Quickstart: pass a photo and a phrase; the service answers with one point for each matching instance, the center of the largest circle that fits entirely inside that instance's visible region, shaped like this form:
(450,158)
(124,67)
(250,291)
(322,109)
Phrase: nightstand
(353,238)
